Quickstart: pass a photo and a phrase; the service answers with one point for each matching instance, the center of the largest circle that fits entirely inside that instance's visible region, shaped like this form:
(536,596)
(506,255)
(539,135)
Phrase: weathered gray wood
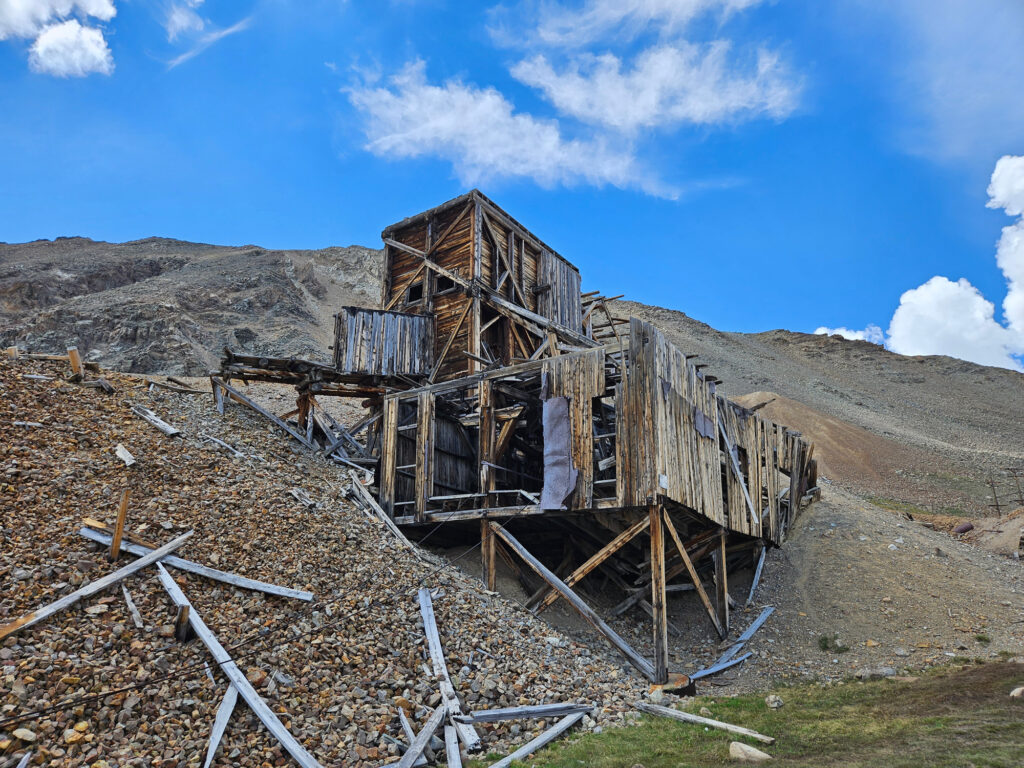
(757,574)
(239,397)
(410,735)
(467,733)
(367,499)
(719,666)
(423,737)
(201,570)
(124,455)
(735,464)
(749,633)
(451,747)
(156,421)
(136,616)
(220,722)
(528,712)
(234,674)
(574,600)
(93,587)
(548,736)
(686,717)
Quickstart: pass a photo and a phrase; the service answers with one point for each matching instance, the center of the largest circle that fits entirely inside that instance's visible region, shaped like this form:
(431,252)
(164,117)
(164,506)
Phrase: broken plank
(202,570)
(237,396)
(451,747)
(124,455)
(749,633)
(220,722)
(576,602)
(156,421)
(719,666)
(234,674)
(136,616)
(528,712)
(410,735)
(757,574)
(93,587)
(122,513)
(423,737)
(543,739)
(467,733)
(686,717)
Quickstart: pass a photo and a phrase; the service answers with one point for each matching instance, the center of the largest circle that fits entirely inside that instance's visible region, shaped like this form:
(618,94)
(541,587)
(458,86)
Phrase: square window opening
(415,293)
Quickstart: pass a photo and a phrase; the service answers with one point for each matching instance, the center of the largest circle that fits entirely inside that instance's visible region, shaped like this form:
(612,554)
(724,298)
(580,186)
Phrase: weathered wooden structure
(501,394)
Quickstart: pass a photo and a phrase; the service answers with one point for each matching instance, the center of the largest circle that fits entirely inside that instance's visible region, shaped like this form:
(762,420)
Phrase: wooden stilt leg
(721,584)
(701,592)
(658,604)
(488,553)
(122,513)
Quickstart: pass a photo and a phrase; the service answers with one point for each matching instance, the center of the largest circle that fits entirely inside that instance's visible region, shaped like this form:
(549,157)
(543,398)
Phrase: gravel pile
(335,670)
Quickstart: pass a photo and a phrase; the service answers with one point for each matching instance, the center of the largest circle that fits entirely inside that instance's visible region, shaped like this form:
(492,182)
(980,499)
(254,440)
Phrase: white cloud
(946,318)
(942,317)
(63,46)
(68,49)
(26,18)
(667,85)
(481,134)
(561,26)
(872,333)
(182,19)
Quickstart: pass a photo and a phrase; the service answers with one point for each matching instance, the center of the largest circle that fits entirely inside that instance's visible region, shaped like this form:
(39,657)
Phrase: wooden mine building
(501,394)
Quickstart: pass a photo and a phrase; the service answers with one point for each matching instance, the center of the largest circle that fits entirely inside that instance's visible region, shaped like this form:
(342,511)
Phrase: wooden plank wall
(382,343)
(560,300)
(580,378)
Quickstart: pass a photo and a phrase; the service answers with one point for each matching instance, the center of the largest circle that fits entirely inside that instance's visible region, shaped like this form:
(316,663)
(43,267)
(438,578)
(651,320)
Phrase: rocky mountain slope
(159,305)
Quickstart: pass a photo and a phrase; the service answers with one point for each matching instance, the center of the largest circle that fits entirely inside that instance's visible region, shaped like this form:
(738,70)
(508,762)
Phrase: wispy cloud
(208,39)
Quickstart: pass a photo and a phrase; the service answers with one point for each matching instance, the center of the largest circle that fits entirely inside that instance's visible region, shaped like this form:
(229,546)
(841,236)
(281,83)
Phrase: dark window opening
(444,284)
(415,293)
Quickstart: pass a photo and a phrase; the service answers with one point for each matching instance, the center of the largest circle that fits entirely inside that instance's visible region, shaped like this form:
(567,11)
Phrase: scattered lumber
(757,574)
(201,570)
(93,587)
(719,666)
(115,540)
(451,747)
(220,387)
(523,713)
(546,737)
(220,722)
(450,699)
(100,384)
(302,497)
(156,421)
(423,737)
(410,736)
(136,616)
(686,717)
(124,455)
(747,634)
(363,499)
(234,674)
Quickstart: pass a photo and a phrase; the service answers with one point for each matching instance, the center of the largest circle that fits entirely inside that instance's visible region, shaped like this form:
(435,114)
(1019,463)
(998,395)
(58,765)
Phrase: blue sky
(755,164)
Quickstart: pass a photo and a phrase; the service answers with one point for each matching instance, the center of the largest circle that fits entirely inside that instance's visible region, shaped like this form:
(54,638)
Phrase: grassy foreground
(951,718)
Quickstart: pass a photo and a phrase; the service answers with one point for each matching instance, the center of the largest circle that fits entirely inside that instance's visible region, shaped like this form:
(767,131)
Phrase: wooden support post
(573,599)
(487,441)
(693,574)
(488,554)
(76,362)
(658,602)
(424,452)
(388,455)
(218,395)
(721,584)
(181,626)
(122,513)
(302,405)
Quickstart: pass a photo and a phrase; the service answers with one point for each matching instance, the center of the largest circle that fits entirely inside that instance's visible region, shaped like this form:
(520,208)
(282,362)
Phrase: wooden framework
(500,393)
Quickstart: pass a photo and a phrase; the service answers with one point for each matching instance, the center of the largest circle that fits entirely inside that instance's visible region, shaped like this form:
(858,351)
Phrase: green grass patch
(913,509)
(952,718)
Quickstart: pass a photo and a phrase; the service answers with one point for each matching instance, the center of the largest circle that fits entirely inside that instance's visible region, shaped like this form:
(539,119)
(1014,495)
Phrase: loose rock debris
(336,670)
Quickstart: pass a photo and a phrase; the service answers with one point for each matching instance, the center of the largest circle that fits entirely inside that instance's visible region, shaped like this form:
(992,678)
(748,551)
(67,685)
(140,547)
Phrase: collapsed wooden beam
(234,674)
(686,717)
(423,737)
(220,722)
(719,666)
(93,587)
(237,396)
(757,574)
(749,633)
(529,712)
(451,747)
(574,600)
(543,739)
(450,700)
(148,416)
(200,570)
